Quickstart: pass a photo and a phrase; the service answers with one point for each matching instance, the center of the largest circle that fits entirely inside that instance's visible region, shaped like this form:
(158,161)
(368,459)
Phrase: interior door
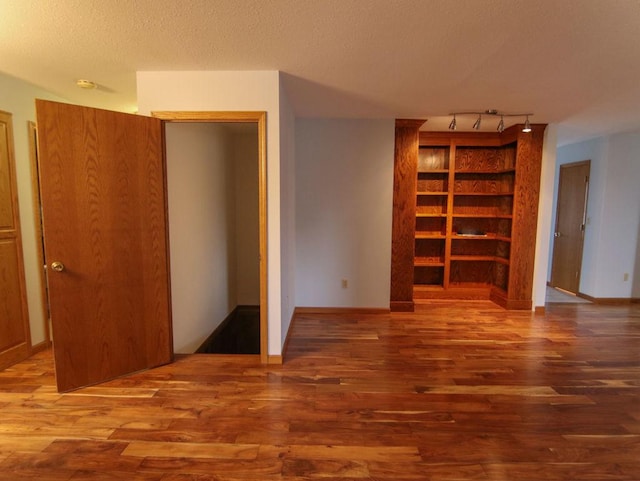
(15,341)
(102,180)
(571,207)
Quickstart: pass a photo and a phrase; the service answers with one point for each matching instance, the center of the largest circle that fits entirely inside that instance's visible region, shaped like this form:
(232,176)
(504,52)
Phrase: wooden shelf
(454,183)
(483,216)
(432,193)
(481,237)
(487,194)
(486,172)
(424,235)
(426,262)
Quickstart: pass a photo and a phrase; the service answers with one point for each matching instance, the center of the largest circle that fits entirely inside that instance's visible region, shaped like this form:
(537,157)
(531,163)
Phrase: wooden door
(15,341)
(102,178)
(573,186)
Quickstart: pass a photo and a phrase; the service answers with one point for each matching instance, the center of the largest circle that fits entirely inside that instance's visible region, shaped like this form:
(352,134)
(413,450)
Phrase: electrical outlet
(625,277)
(345,283)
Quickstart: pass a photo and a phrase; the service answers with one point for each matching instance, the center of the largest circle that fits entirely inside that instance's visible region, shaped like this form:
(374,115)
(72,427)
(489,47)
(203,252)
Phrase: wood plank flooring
(462,391)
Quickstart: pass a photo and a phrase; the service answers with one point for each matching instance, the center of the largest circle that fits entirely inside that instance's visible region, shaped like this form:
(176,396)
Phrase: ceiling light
(491,112)
(86,84)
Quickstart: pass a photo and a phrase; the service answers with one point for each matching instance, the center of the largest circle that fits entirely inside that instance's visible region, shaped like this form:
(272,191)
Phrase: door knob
(57,266)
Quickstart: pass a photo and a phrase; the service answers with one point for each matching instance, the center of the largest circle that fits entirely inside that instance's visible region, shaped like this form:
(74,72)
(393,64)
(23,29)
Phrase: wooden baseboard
(41,346)
(402,306)
(285,346)
(539,310)
(612,301)
(341,310)
(274,359)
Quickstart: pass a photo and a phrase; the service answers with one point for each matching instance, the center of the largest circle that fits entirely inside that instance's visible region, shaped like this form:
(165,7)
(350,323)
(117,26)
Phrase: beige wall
(18,98)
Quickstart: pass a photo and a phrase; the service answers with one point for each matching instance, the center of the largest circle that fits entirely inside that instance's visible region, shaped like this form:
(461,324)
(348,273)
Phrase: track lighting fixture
(476,126)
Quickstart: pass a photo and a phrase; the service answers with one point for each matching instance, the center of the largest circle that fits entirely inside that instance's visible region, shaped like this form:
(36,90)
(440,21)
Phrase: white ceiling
(571,62)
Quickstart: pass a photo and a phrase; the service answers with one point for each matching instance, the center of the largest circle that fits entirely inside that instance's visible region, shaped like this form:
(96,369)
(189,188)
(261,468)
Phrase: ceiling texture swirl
(574,63)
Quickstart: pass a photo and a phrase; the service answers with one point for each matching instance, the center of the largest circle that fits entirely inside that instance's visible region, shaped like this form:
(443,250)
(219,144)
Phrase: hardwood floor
(462,391)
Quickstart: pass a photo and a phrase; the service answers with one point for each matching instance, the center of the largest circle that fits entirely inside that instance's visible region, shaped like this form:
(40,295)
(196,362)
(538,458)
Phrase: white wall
(613,212)
(545,216)
(232,91)
(18,98)
(201,200)
(288,211)
(344,190)
(247,217)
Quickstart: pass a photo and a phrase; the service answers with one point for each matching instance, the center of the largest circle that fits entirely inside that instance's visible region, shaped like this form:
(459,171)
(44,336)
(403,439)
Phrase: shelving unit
(475,206)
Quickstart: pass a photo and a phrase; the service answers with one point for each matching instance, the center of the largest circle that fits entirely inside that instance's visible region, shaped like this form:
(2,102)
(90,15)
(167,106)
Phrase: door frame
(242,117)
(581,163)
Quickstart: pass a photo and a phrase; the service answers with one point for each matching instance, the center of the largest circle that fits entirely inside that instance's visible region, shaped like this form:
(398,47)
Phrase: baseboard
(612,301)
(539,310)
(41,346)
(341,310)
(274,359)
(402,306)
(285,346)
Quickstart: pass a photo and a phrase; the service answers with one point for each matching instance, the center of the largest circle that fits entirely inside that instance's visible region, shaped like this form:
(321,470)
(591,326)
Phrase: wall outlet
(625,277)
(345,283)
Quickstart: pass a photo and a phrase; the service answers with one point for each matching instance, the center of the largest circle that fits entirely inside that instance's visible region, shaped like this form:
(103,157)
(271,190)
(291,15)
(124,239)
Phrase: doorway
(571,220)
(216,188)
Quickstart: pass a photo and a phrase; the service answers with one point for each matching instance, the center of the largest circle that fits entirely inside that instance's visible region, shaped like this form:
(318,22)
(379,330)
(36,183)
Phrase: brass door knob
(57,266)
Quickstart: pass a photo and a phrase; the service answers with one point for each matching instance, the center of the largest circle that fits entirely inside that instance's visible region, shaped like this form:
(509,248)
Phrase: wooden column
(525,218)
(405,173)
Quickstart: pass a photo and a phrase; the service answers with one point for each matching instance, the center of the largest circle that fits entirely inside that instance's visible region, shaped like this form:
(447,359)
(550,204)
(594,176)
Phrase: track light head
(453,125)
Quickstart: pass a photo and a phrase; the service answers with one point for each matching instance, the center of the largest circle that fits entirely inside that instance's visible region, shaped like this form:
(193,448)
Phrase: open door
(102,180)
(571,218)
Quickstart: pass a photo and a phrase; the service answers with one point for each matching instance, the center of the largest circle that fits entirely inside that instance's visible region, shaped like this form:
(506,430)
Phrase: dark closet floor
(239,334)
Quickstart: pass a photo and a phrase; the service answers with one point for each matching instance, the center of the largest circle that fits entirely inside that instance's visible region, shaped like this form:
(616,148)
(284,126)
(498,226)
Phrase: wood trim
(612,301)
(210,116)
(273,359)
(402,306)
(41,346)
(341,310)
(405,171)
(285,346)
(539,310)
(525,216)
(37,221)
(13,234)
(261,119)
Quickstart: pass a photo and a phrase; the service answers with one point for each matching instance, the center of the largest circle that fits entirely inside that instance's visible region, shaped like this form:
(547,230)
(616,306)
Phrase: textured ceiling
(571,62)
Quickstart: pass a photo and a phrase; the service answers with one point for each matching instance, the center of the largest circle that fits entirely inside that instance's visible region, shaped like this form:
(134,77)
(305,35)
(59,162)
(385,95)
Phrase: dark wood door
(15,341)
(102,180)
(573,187)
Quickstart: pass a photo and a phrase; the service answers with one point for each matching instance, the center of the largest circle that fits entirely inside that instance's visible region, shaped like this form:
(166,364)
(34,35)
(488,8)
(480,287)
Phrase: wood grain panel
(104,211)
(454,391)
(404,211)
(15,340)
(525,214)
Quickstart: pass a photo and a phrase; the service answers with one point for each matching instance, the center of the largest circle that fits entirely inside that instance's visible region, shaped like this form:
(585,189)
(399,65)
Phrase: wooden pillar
(405,173)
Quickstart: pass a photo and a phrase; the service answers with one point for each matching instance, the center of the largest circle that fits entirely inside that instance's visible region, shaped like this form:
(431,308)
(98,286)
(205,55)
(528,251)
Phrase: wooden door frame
(37,221)
(23,350)
(584,218)
(243,117)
